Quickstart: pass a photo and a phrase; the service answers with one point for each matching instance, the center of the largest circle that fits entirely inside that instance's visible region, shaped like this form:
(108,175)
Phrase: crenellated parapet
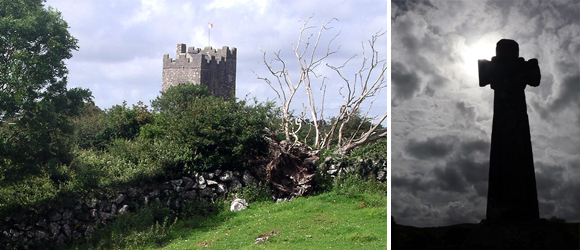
(215,68)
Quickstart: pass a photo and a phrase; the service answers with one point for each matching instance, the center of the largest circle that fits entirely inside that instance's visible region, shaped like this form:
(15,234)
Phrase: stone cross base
(503,235)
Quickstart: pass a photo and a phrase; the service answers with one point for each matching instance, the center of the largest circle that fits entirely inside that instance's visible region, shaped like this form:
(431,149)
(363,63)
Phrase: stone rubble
(238,205)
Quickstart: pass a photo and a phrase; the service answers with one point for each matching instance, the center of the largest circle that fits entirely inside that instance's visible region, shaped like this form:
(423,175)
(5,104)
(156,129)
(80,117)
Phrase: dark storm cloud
(422,45)
(472,170)
(465,165)
(460,180)
(407,5)
(466,110)
(460,173)
(436,147)
(563,203)
(450,179)
(567,206)
(557,191)
(467,115)
(459,212)
(463,172)
(411,211)
(560,22)
(548,180)
(504,7)
(435,83)
(412,184)
(475,148)
(569,95)
(404,82)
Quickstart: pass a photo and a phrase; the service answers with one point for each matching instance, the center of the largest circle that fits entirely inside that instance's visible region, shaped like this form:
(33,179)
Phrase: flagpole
(209,26)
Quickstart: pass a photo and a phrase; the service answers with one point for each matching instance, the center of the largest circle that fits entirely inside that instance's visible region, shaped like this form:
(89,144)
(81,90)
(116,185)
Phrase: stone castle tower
(214,68)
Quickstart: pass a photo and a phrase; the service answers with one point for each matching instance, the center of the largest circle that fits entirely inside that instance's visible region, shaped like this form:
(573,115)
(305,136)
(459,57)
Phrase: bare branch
(363,87)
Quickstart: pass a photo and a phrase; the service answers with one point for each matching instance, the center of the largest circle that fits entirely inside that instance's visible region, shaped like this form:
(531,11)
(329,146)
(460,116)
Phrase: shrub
(372,150)
(27,192)
(208,132)
(256,193)
(126,163)
(96,128)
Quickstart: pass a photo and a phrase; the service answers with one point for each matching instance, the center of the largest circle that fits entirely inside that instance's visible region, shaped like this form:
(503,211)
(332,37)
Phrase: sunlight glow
(476,51)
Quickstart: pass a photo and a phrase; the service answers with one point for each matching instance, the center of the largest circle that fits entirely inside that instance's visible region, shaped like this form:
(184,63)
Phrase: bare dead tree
(368,82)
(365,87)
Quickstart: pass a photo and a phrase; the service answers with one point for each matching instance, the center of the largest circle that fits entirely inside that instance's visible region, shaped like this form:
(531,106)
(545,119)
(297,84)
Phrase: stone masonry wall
(175,76)
(50,226)
(364,168)
(215,68)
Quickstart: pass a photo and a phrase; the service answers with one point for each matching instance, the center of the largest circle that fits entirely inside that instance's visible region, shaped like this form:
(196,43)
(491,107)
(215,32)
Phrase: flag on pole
(209,26)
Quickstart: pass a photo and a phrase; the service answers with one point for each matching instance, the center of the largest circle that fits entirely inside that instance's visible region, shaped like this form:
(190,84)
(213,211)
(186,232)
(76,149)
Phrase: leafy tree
(87,125)
(176,100)
(210,132)
(96,128)
(123,122)
(35,104)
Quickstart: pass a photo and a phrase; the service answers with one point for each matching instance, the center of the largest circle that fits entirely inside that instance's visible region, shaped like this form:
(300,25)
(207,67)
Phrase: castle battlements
(215,68)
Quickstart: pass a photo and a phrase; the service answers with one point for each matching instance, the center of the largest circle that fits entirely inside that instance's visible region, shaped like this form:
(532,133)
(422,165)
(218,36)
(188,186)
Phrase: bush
(32,190)
(127,162)
(256,193)
(372,150)
(95,128)
(208,132)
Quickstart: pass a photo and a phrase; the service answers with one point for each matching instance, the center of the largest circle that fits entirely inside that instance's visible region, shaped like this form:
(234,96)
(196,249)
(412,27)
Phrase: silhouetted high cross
(512,191)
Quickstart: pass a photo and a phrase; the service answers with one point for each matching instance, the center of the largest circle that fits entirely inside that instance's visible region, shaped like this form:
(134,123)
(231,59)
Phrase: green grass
(326,221)
(353,215)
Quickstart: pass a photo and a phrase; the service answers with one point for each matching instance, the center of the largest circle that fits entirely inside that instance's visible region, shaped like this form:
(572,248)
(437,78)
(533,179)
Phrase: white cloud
(259,5)
(148,8)
(115,36)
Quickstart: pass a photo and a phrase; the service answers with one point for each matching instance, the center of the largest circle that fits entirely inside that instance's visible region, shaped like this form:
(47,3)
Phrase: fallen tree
(290,168)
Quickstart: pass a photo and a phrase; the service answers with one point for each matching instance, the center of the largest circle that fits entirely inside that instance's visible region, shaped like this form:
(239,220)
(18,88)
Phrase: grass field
(326,221)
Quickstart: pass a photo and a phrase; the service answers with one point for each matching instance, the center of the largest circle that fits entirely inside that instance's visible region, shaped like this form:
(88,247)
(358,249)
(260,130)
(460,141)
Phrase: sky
(441,119)
(122,43)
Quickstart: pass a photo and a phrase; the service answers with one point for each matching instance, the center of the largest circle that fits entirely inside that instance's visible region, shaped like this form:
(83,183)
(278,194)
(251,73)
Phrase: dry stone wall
(51,226)
(54,225)
(364,168)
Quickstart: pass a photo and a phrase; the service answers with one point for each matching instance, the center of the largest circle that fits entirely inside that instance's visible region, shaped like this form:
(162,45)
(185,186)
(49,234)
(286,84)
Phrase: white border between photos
(389,126)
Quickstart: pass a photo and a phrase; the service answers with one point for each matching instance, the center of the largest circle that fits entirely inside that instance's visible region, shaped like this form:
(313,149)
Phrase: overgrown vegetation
(122,146)
(351,214)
